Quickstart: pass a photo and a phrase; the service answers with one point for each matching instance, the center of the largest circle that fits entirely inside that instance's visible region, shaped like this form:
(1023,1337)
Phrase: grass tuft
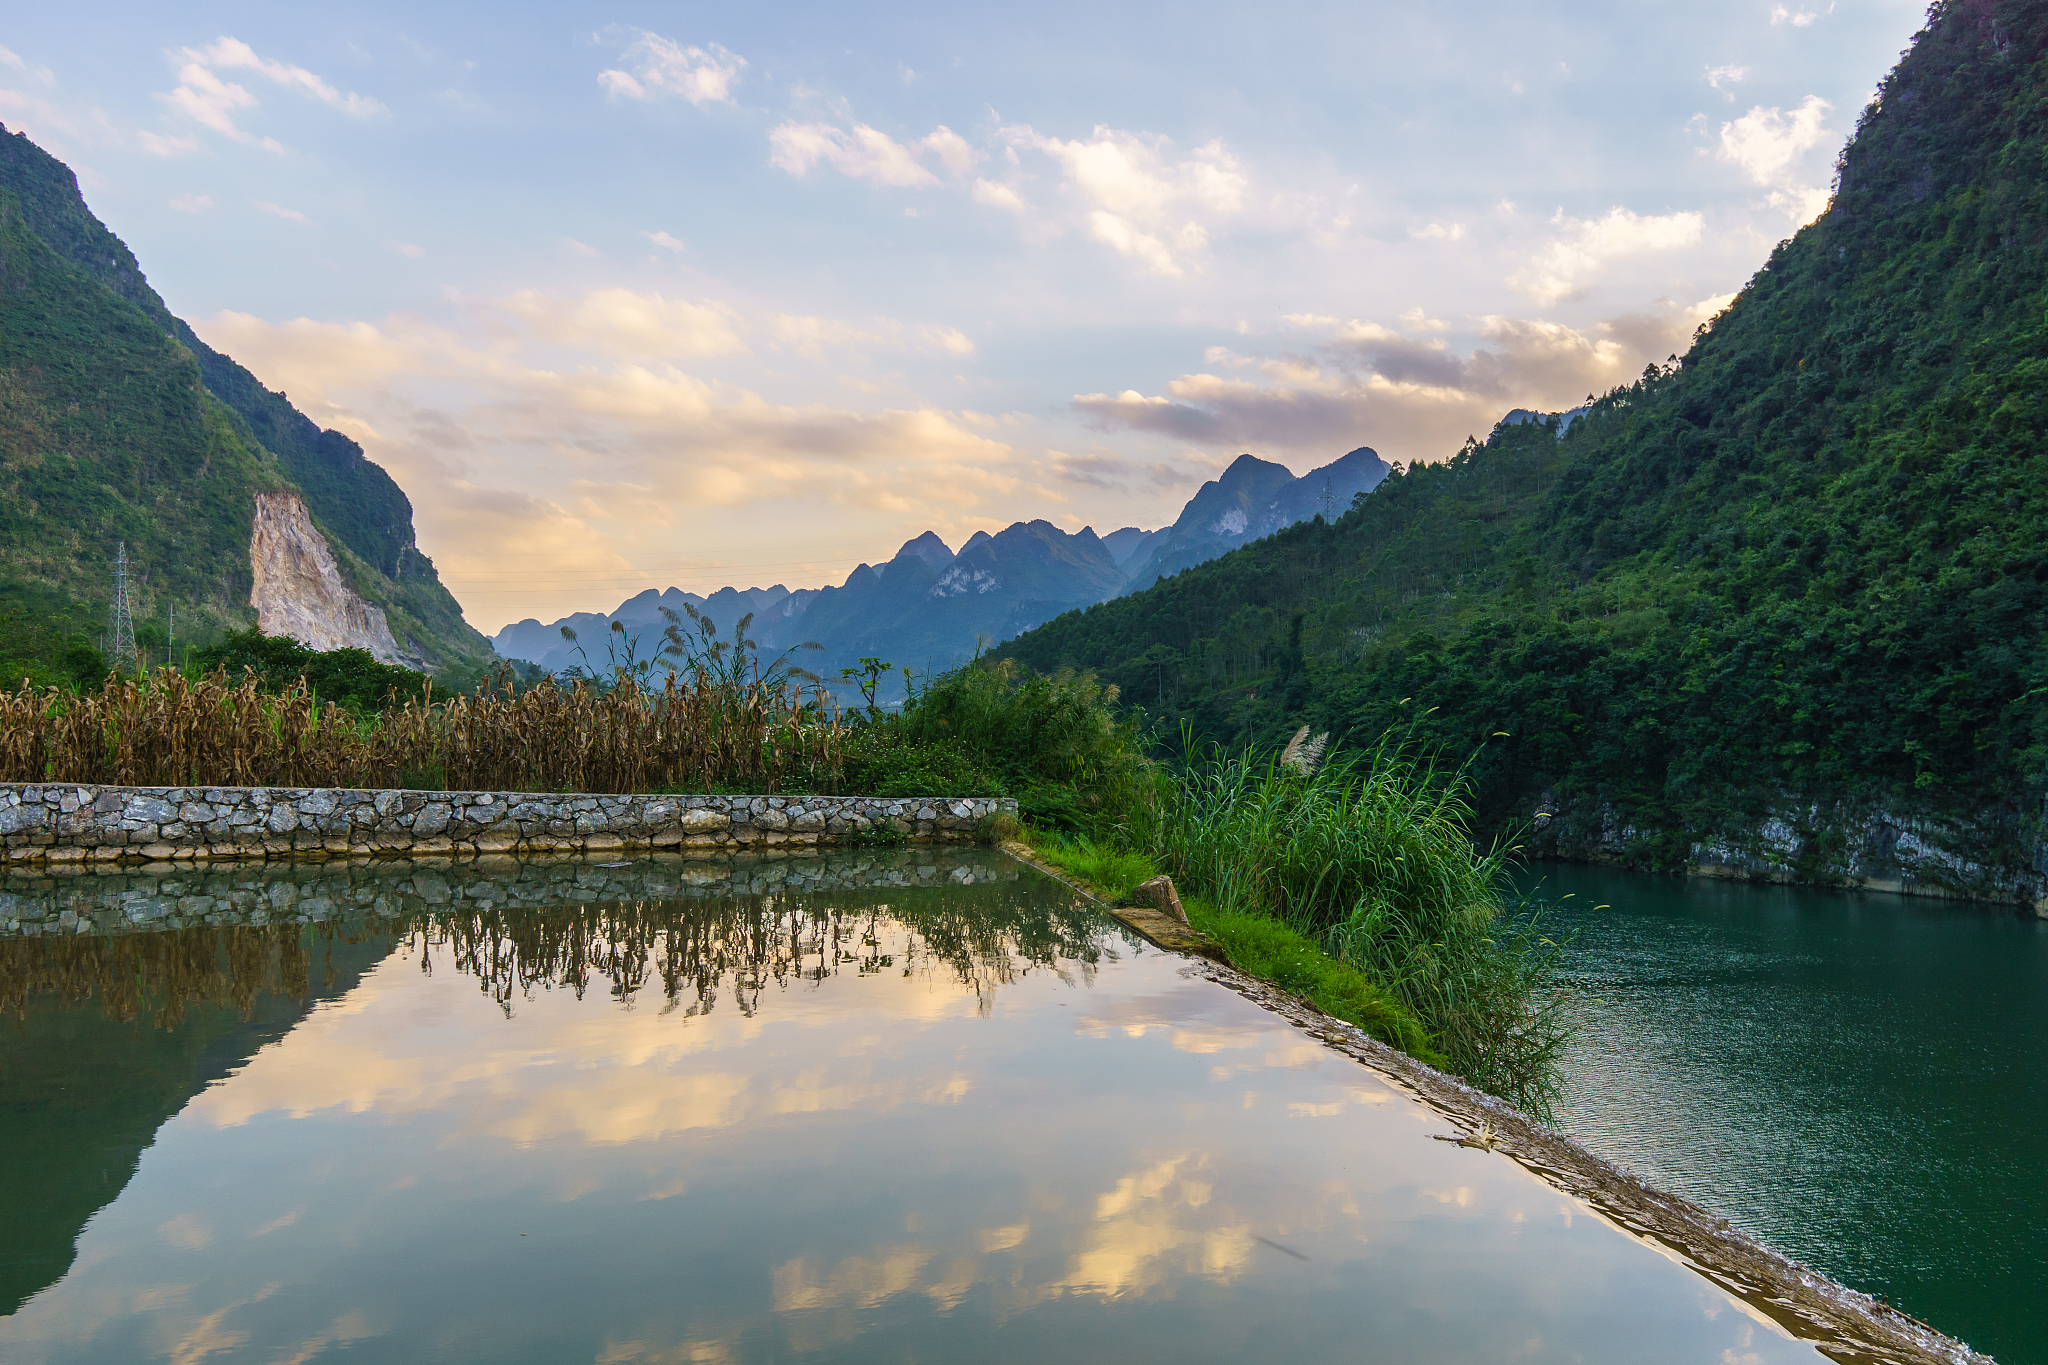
(1370,856)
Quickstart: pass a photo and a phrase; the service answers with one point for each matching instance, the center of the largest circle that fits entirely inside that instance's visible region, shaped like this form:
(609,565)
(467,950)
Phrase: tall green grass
(1371,855)
(1255,942)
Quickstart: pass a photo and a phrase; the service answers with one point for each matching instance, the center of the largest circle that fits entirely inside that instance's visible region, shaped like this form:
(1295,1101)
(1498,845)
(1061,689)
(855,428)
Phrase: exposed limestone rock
(299,590)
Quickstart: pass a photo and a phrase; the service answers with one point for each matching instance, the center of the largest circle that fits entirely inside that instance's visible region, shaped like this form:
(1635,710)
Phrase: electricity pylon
(120,624)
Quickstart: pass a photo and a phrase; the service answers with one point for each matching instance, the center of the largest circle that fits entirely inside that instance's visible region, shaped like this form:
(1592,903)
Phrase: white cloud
(156,144)
(952,150)
(663,240)
(1719,76)
(662,66)
(951,340)
(234,54)
(1439,232)
(1571,261)
(1766,142)
(278,211)
(1153,251)
(1769,144)
(998,196)
(407,250)
(863,154)
(626,324)
(215,103)
(583,249)
(211,102)
(1797,18)
(41,73)
(192,203)
(1137,198)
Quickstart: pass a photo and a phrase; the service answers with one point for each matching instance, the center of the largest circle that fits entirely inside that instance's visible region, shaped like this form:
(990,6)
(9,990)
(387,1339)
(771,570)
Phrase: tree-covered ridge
(107,434)
(1805,563)
(93,288)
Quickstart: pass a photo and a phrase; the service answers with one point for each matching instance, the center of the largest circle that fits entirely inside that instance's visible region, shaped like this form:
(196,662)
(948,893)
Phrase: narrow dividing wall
(72,823)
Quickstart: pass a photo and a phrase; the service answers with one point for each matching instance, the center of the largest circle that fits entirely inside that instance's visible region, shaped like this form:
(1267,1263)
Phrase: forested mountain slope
(1781,603)
(117,422)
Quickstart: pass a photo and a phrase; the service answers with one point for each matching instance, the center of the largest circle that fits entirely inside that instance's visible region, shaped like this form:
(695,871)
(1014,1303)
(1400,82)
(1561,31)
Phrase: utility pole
(1329,497)
(170,635)
(120,625)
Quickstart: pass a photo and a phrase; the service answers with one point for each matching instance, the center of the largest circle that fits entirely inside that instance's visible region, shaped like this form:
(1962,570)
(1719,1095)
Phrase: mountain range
(929,607)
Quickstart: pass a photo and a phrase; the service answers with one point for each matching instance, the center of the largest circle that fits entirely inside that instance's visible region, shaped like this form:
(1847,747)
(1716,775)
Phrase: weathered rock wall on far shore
(1845,845)
(69,823)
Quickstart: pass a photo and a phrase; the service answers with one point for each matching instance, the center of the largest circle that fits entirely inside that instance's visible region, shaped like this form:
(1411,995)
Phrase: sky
(687,295)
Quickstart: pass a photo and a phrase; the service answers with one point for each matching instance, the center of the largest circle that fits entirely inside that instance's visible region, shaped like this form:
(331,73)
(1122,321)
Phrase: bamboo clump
(628,736)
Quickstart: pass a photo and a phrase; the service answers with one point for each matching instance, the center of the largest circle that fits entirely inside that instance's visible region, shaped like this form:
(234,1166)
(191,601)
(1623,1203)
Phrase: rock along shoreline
(78,823)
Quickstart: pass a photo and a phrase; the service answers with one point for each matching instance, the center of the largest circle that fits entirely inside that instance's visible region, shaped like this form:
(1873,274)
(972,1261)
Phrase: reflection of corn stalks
(690,733)
(975,937)
(1302,753)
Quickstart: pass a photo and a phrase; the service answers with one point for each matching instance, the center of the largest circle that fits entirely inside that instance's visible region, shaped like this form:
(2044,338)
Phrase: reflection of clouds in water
(349,1327)
(208,1334)
(1153,1227)
(683,1353)
(1187,1011)
(859,1281)
(1002,1239)
(557,1069)
(186,1232)
(1205,1040)
(1146,1237)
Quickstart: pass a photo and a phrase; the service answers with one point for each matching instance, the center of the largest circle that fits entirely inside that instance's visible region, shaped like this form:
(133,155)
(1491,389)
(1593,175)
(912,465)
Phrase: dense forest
(1801,568)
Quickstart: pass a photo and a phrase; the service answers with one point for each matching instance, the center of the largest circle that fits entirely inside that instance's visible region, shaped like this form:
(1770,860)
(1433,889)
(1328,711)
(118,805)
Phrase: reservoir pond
(901,1106)
(1858,1080)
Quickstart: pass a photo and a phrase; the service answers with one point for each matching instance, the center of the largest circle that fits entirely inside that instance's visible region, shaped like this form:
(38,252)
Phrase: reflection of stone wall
(48,823)
(108,898)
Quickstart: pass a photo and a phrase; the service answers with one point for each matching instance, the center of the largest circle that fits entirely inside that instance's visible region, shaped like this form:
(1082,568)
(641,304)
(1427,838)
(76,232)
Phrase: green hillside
(1800,574)
(116,422)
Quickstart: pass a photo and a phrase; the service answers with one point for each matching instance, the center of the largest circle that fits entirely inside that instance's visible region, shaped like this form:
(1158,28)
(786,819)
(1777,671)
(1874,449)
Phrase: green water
(928,1109)
(1859,1080)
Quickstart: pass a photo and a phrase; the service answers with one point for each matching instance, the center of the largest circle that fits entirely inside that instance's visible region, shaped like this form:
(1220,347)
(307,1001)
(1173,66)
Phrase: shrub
(881,762)
(352,677)
(1055,742)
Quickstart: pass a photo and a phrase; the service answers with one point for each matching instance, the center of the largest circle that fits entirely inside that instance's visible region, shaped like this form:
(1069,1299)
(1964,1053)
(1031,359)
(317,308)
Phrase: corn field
(631,736)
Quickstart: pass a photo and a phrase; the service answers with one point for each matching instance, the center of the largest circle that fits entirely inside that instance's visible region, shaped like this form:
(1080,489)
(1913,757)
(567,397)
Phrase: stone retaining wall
(71,823)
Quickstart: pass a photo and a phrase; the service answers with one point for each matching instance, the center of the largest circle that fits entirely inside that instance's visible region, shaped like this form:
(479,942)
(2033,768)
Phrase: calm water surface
(1859,1080)
(797,1111)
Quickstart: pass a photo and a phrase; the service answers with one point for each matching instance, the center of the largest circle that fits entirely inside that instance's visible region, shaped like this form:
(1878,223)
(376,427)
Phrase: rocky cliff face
(1992,855)
(299,590)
